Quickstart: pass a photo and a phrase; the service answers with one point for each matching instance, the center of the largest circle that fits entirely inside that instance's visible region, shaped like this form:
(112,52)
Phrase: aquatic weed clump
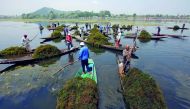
(176,27)
(74,28)
(78,93)
(13,51)
(56,34)
(115,27)
(141,91)
(44,51)
(97,38)
(145,35)
(77,32)
(59,28)
(48,26)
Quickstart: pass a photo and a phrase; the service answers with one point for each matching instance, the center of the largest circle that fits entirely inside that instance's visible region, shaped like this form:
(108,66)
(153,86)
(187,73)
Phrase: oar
(34,37)
(31,39)
(66,65)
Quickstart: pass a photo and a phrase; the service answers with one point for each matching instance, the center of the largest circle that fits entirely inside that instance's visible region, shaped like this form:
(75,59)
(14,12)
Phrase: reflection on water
(96,49)
(47,63)
(26,86)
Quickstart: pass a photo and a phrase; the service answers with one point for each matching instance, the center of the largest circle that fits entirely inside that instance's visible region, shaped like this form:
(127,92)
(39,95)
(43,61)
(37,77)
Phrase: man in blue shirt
(83,56)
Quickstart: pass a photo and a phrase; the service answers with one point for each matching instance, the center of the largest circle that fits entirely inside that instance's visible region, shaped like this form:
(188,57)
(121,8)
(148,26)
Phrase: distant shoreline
(121,21)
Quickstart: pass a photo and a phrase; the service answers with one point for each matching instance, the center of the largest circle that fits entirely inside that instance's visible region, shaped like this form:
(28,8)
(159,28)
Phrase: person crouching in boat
(69,41)
(26,43)
(118,38)
(127,58)
(83,57)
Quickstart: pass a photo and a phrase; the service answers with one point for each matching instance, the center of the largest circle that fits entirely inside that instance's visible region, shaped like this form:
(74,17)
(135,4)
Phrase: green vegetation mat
(141,91)
(78,93)
(13,51)
(44,51)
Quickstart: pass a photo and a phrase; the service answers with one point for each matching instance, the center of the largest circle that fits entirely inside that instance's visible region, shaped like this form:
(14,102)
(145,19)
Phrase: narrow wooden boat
(101,46)
(50,38)
(89,74)
(169,35)
(152,37)
(28,58)
(51,28)
(47,39)
(179,28)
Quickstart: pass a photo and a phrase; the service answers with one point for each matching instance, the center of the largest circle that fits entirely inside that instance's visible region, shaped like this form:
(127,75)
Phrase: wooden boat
(51,28)
(50,38)
(47,39)
(152,37)
(90,74)
(101,46)
(28,58)
(169,35)
(179,28)
(130,34)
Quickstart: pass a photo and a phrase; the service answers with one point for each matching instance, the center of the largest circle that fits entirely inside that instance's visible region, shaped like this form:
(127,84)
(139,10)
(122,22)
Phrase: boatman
(158,33)
(26,43)
(83,57)
(127,58)
(118,38)
(183,26)
(69,41)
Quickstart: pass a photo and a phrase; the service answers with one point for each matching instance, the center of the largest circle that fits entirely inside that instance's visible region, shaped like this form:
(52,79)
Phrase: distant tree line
(74,14)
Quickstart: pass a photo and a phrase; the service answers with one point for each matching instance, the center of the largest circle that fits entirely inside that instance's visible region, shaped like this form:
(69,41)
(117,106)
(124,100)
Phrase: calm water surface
(35,86)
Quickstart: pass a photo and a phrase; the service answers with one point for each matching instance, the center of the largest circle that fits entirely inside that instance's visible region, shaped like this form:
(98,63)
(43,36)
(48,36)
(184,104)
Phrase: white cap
(82,43)
(69,33)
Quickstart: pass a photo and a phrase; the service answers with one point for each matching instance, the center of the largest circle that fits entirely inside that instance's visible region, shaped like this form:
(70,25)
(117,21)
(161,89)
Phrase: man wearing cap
(69,41)
(83,56)
(127,57)
(25,42)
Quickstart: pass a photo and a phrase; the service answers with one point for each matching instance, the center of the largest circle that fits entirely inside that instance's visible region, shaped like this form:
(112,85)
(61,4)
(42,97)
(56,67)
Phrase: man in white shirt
(118,38)
(26,42)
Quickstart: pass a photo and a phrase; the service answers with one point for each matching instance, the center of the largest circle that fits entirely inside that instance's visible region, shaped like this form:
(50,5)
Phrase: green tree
(51,15)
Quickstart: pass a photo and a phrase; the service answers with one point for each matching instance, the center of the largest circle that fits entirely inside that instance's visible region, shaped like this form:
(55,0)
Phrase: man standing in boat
(118,38)
(158,33)
(69,41)
(26,42)
(127,58)
(83,57)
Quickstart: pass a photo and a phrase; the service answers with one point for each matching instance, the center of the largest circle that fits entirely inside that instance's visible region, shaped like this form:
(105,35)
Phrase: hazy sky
(13,7)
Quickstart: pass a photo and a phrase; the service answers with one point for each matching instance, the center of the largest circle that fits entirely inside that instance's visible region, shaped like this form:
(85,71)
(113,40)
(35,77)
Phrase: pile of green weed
(13,51)
(97,38)
(145,35)
(176,27)
(141,91)
(78,93)
(56,34)
(44,51)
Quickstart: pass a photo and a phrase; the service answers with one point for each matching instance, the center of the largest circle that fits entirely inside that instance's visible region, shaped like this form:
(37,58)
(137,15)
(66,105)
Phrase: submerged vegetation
(78,93)
(97,38)
(44,51)
(13,51)
(141,91)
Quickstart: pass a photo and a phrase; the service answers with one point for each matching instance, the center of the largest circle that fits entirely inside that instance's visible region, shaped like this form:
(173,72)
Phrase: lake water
(35,86)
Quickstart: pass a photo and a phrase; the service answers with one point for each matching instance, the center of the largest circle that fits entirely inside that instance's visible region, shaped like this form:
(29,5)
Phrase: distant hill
(45,11)
(51,13)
